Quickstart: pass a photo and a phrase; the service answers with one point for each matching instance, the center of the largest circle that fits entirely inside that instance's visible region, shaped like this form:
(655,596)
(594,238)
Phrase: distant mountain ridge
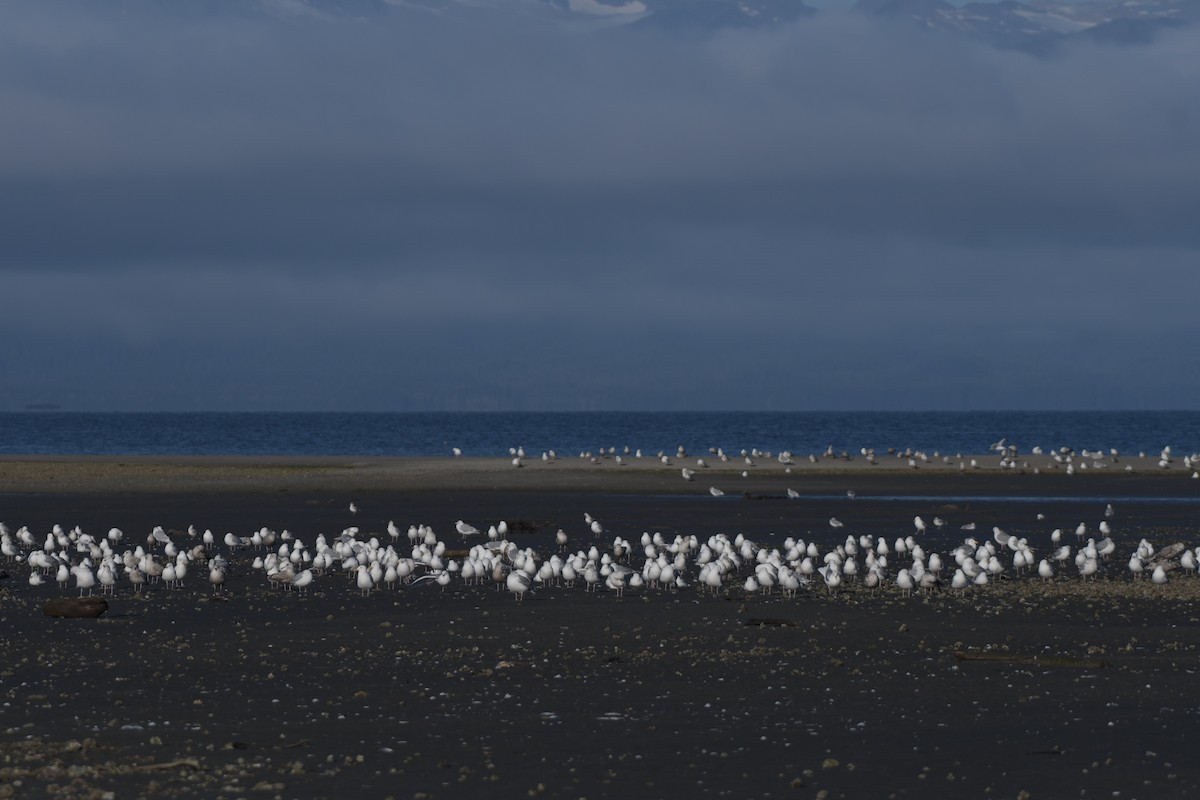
(1034,25)
(1040,24)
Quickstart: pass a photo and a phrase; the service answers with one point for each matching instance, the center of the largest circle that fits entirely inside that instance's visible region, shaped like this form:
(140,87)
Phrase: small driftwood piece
(75,607)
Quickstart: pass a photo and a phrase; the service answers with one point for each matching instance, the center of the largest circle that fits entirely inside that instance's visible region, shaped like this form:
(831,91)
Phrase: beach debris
(75,607)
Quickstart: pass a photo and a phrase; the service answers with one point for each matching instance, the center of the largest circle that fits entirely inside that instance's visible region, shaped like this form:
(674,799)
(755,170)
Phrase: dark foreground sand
(1067,690)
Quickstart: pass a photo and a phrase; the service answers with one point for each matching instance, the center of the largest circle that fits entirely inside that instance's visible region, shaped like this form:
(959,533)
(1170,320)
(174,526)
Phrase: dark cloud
(421,213)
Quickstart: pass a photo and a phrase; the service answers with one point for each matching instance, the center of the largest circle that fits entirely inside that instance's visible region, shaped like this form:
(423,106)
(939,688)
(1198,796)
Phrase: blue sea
(569,433)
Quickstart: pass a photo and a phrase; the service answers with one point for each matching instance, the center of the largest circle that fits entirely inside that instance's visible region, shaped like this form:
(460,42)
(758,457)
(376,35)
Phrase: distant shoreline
(87,474)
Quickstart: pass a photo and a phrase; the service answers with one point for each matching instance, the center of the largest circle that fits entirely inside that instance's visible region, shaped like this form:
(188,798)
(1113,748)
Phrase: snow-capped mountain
(1036,25)
(1040,24)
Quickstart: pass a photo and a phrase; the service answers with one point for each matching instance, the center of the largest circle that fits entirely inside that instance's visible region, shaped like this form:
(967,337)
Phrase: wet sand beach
(1069,688)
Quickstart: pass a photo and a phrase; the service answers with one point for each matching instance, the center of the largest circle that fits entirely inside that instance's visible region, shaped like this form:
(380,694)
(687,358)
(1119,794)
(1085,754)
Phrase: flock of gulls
(1065,459)
(718,563)
(601,561)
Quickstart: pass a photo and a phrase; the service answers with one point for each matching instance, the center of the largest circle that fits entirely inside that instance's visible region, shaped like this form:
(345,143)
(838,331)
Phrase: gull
(851,494)
(353,508)
(365,582)
(617,580)
(687,474)
(84,578)
(137,578)
(518,582)
(301,581)
(792,494)
(834,522)
(107,577)
(1045,570)
(871,580)
(465,530)
(216,576)
(457,451)
(715,492)
(959,581)
(833,578)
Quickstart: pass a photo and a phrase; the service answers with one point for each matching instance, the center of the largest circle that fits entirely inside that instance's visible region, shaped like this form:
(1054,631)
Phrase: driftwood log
(75,607)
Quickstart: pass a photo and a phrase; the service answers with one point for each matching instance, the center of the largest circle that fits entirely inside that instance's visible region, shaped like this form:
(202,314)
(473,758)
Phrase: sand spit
(103,474)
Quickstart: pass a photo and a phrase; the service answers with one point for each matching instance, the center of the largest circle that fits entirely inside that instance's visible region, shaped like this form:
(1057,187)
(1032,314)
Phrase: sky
(223,213)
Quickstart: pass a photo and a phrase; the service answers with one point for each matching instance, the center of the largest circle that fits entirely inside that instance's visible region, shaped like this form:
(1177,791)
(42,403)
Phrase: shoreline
(54,474)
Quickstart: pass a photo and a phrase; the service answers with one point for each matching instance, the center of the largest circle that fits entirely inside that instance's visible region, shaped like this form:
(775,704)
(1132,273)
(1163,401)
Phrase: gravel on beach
(1016,689)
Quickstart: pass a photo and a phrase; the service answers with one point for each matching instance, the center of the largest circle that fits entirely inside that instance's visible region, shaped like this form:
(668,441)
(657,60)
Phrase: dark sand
(1090,689)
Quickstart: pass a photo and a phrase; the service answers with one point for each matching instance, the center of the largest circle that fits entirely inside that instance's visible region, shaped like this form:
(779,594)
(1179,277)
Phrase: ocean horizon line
(579,412)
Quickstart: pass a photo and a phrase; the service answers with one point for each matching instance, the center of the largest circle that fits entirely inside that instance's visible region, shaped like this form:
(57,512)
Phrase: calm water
(570,433)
